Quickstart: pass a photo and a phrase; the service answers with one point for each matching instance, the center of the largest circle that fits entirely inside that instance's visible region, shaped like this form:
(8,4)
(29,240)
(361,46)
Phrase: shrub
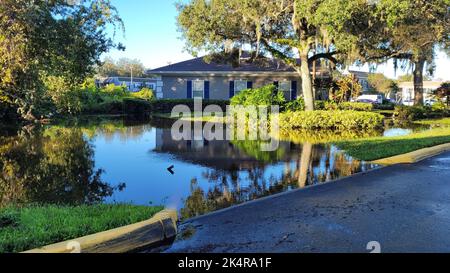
(64,95)
(138,107)
(145,94)
(385,106)
(339,120)
(411,113)
(356,106)
(294,105)
(115,91)
(166,105)
(265,95)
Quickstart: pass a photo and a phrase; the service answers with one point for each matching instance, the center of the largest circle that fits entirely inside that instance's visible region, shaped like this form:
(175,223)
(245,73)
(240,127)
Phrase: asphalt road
(405,208)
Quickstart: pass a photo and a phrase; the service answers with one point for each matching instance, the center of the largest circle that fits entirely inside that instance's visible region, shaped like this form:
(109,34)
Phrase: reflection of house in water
(222,154)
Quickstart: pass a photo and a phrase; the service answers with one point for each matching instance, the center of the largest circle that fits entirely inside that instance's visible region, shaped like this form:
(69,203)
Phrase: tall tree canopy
(409,32)
(40,38)
(287,29)
(123,68)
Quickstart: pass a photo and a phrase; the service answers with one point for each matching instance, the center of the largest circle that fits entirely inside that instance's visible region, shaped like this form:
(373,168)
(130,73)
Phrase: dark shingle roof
(199,65)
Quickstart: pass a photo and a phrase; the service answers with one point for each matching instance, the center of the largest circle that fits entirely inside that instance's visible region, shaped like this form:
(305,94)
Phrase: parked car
(374,99)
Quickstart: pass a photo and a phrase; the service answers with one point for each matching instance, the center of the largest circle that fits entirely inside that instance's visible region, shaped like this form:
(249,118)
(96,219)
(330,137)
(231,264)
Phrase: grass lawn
(381,147)
(26,228)
(444,121)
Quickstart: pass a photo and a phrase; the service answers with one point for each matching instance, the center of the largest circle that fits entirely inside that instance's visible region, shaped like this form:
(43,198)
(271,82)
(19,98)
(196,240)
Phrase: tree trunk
(418,81)
(305,73)
(305,160)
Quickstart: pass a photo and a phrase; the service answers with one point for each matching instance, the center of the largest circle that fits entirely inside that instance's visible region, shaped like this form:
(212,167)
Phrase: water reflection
(238,171)
(54,166)
(69,164)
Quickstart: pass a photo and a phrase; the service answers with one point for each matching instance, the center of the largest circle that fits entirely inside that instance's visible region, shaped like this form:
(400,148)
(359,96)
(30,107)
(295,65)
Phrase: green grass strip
(381,147)
(27,228)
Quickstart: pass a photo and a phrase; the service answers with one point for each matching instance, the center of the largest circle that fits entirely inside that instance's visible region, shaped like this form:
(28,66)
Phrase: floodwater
(125,161)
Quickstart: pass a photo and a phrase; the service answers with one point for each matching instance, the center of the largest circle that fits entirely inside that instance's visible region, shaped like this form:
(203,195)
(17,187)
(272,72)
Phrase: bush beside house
(334,120)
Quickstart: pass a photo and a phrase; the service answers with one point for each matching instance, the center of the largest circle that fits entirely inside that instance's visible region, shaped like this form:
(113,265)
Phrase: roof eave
(228,73)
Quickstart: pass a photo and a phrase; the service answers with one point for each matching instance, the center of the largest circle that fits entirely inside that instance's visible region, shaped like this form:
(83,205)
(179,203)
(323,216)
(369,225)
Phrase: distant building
(133,85)
(407,91)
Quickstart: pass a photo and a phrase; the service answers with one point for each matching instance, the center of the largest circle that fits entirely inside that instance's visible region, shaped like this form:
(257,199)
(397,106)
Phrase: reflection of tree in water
(314,164)
(53,166)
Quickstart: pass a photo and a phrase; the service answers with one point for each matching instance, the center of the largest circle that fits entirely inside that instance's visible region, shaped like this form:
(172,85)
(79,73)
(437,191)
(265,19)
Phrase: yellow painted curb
(415,156)
(91,241)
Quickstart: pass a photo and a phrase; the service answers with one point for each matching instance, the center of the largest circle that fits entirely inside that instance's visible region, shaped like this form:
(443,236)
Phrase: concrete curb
(415,156)
(161,227)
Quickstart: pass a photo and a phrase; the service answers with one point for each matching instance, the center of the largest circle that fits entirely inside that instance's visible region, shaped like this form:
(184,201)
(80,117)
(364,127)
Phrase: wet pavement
(405,208)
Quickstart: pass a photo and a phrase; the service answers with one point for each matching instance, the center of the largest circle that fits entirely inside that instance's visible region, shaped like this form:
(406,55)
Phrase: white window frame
(236,89)
(280,85)
(202,84)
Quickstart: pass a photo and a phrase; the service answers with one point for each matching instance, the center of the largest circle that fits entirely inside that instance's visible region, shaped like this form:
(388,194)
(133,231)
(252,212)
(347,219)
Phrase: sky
(151,36)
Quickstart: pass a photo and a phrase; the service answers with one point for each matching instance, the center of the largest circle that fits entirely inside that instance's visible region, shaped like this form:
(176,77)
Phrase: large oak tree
(311,30)
(409,32)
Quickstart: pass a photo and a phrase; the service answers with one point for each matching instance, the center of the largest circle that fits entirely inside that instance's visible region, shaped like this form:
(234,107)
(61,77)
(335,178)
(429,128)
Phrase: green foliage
(264,96)
(340,120)
(412,113)
(115,91)
(279,28)
(380,83)
(121,68)
(145,94)
(31,227)
(348,87)
(382,147)
(356,106)
(295,105)
(166,105)
(64,96)
(51,38)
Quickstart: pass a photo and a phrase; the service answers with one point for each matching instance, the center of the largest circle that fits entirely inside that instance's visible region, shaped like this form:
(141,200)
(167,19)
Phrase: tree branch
(328,56)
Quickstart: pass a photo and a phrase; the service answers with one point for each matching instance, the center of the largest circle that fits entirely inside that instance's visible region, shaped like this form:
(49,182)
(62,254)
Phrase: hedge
(339,120)
(166,105)
(356,106)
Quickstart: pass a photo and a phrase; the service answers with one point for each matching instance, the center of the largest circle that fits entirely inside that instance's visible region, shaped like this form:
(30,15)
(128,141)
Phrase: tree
(410,78)
(443,92)
(286,29)
(108,68)
(121,68)
(409,32)
(56,38)
(347,87)
(380,82)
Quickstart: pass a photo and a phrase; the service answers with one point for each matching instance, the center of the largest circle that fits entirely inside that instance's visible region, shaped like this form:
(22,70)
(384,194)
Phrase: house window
(285,87)
(239,85)
(198,89)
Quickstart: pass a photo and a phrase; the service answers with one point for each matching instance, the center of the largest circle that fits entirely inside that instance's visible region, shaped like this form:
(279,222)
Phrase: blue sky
(151,36)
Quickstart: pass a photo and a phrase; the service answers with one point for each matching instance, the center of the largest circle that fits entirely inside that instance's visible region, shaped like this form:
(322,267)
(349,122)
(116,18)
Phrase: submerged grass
(26,228)
(381,147)
(443,121)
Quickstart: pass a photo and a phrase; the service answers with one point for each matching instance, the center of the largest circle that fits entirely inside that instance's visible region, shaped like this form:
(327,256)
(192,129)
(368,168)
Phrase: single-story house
(132,84)
(408,95)
(198,79)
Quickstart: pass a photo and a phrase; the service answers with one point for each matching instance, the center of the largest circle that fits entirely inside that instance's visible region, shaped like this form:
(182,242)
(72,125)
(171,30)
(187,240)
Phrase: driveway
(405,208)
